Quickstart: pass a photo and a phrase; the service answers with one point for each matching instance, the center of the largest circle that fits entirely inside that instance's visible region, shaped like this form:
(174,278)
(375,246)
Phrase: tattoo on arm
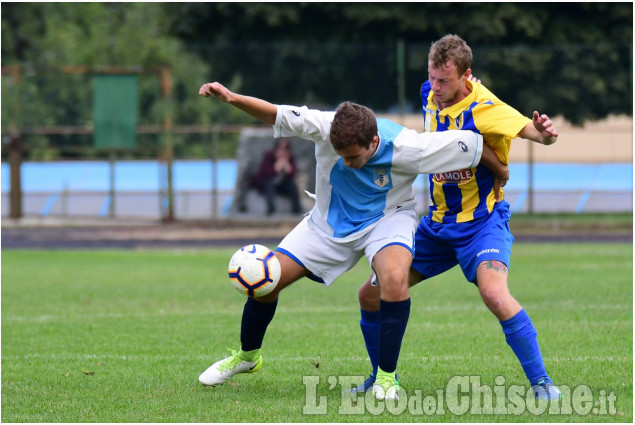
(495,265)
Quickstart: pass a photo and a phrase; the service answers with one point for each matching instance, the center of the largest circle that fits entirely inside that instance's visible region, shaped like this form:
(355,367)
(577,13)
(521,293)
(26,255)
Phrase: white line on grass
(444,358)
(293,310)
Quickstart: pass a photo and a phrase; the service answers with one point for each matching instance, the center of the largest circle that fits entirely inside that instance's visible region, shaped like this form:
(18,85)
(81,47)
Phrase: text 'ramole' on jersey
(454,176)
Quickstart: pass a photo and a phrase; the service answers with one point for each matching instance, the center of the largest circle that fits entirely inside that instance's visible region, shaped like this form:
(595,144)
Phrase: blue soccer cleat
(545,390)
(364,386)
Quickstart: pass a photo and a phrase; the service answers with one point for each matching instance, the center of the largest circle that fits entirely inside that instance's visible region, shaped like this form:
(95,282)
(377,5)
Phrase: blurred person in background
(276,175)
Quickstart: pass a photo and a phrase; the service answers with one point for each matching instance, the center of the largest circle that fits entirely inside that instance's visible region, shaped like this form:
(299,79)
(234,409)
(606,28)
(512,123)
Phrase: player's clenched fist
(217,89)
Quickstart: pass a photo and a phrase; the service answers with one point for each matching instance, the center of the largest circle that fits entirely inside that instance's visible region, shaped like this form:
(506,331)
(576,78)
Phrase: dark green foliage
(567,59)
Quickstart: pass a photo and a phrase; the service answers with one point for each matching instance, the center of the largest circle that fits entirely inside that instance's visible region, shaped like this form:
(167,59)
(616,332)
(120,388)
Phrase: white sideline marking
(301,309)
(135,357)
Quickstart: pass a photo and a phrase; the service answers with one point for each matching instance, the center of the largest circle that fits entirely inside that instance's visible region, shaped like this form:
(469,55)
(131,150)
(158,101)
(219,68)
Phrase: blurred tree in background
(44,37)
(568,59)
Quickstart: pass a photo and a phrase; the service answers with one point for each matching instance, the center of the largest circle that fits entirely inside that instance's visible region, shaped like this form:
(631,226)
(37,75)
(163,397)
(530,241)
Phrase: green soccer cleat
(224,369)
(386,386)
(368,384)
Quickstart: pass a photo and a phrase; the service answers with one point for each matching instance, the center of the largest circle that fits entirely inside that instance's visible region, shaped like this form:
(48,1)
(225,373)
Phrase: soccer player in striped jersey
(364,207)
(466,224)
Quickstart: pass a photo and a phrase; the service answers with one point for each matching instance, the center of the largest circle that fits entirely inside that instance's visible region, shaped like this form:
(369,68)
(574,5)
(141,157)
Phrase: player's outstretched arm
(257,108)
(494,164)
(541,130)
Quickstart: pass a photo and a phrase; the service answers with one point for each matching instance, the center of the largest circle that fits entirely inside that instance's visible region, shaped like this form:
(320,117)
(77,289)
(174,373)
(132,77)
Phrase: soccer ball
(254,270)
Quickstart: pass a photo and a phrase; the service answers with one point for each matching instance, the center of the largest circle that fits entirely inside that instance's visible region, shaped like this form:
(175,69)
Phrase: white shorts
(327,258)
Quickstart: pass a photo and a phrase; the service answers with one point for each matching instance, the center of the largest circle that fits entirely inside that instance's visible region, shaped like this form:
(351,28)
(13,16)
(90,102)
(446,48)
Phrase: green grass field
(121,336)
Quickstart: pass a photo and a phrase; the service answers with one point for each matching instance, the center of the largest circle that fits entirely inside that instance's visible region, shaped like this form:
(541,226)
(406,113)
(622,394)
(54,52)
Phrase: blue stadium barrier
(83,187)
(105,206)
(49,204)
(583,201)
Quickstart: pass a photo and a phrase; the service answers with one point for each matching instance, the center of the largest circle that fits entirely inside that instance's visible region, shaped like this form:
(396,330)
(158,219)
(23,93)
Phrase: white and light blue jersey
(350,202)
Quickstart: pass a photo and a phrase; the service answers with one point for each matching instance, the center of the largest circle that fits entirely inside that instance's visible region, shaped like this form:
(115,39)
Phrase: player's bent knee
(495,305)
(368,297)
(393,276)
(496,299)
(394,288)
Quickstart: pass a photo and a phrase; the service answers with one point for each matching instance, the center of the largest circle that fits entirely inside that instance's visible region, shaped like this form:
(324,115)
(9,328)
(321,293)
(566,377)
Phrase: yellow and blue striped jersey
(464,195)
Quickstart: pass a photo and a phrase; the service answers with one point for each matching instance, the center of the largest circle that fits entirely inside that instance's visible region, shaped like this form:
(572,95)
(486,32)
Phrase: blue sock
(522,338)
(393,321)
(370,330)
(256,318)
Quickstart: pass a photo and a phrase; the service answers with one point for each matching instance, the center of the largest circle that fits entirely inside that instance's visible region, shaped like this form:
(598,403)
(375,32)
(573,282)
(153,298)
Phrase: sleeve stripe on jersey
(478,145)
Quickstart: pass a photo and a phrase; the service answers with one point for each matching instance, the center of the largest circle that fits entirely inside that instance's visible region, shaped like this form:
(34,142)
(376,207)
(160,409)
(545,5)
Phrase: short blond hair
(451,48)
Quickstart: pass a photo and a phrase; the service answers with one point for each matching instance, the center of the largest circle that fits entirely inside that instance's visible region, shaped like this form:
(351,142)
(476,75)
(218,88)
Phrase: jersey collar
(380,147)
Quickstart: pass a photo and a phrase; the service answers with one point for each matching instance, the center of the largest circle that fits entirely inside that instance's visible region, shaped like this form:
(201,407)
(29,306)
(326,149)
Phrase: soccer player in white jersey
(364,206)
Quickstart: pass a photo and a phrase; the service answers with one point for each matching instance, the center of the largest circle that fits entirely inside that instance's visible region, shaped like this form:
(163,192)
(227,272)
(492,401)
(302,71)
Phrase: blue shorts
(439,247)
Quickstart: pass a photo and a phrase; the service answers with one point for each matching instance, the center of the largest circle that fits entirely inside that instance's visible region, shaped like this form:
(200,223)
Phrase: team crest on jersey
(459,176)
(458,121)
(381,177)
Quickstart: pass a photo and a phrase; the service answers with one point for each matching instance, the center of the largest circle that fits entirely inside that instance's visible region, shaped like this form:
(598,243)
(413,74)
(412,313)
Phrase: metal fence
(197,205)
(49,113)
(206,189)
